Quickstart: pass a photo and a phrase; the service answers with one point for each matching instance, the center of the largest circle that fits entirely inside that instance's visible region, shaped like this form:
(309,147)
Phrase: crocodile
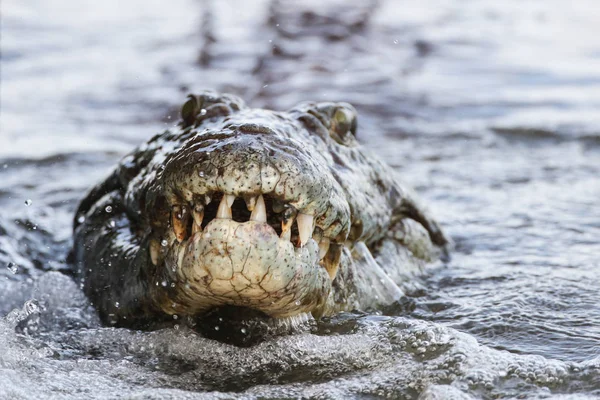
(280,213)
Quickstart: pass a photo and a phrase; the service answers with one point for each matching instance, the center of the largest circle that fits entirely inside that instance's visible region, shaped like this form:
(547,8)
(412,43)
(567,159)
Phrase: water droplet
(175,316)
(173,284)
(297,302)
(117,304)
(164,283)
(164,243)
(108,209)
(243,330)
(28,202)
(12,267)
(217,328)
(201,174)
(81,219)
(203,111)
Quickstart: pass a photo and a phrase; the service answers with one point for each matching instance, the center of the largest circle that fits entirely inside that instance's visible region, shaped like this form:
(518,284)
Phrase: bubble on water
(217,328)
(297,302)
(12,267)
(28,202)
(164,283)
(164,243)
(203,111)
(243,330)
(172,284)
(108,209)
(201,174)
(175,316)
(81,219)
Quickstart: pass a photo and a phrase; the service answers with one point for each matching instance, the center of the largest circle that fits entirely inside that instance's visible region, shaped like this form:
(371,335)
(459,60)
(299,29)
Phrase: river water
(491,110)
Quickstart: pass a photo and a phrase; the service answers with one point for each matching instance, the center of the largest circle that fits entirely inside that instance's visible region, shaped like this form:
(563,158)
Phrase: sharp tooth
(286,235)
(259,213)
(180,258)
(198,215)
(286,223)
(250,202)
(323,247)
(230,199)
(224,211)
(179,219)
(196,227)
(331,261)
(305,227)
(154,251)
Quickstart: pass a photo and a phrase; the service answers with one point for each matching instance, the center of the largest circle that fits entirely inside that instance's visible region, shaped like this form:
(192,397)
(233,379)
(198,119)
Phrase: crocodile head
(235,207)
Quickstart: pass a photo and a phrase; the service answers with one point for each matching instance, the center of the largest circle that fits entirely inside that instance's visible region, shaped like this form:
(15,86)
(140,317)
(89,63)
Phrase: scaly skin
(280,212)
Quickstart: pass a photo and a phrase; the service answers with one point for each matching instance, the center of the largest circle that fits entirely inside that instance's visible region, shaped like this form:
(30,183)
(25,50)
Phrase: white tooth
(286,235)
(196,227)
(230,199)
(224,211)
(207,199)
(323,247)
(305,227)
(251,203)
(180,258)
(260,211)
(154,251)
(198,215)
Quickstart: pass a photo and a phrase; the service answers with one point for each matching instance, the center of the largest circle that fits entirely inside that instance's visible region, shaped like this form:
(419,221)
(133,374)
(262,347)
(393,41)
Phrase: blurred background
(491,110)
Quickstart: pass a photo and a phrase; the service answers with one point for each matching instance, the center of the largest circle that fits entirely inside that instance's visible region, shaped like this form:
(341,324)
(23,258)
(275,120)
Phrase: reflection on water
(488,109)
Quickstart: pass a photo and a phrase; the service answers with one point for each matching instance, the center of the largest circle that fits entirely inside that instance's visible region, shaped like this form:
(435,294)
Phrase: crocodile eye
(343,126)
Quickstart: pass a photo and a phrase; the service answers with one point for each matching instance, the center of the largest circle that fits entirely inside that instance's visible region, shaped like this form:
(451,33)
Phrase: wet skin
(284,213)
